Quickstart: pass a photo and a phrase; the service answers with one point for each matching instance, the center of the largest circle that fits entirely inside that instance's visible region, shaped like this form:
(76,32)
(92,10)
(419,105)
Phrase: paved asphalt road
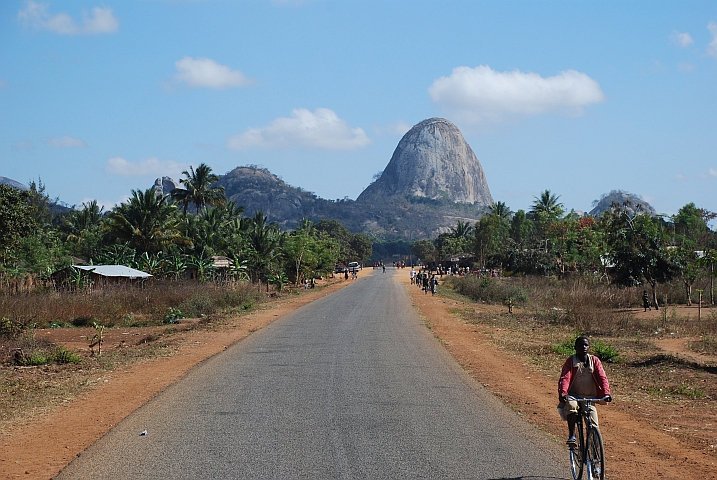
(350,386)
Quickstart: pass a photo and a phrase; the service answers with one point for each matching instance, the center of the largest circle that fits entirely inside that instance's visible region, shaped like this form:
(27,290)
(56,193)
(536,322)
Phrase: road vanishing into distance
(351,386)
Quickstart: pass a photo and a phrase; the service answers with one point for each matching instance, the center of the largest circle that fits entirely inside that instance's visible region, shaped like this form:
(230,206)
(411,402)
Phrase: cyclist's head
(582,339)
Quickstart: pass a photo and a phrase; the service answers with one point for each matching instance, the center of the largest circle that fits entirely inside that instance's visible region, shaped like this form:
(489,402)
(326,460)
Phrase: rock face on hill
(432,161)
(13,183)
(629,201)
(165,185)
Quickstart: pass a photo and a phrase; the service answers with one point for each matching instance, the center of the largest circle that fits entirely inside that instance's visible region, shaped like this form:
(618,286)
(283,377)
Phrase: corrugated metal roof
(114,271)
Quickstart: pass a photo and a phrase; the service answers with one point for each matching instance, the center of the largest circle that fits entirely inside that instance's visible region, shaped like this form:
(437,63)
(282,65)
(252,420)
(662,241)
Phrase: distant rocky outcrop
(13,183)
(432,161)
(631,202)
(165,185)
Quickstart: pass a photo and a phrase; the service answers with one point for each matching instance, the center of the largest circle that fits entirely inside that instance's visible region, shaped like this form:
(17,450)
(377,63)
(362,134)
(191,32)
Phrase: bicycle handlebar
(603,399)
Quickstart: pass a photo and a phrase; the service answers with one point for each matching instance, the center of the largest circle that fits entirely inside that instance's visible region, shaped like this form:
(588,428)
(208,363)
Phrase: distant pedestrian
(434,284)
(384,268)
(646,300)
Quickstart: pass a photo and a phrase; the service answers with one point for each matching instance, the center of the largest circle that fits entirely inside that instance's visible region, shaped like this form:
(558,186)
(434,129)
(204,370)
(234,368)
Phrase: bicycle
(590,451)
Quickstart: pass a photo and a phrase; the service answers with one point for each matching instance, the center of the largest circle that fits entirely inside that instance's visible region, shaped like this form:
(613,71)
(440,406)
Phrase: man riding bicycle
(583,377)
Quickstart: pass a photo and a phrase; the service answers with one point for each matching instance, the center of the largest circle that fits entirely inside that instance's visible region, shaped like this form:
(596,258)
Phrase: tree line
(624,245)
(167,235)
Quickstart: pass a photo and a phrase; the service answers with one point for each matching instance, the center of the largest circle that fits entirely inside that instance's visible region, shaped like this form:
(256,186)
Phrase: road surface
(351,386)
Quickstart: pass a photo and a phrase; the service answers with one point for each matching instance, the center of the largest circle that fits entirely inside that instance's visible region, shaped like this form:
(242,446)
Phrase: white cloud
(205,72)
(681,39)
(66,142)
(482,95)
(712,47)
(686,66)
(148,167)
(712,172)
(100,20)
(321,129)
(398,127)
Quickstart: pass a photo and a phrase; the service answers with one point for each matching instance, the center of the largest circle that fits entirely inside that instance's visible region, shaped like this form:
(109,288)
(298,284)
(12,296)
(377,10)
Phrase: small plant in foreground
(173,315)
(96,340)
(62,355)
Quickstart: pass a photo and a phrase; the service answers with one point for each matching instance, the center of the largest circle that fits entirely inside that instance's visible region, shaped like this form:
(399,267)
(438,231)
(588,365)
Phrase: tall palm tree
(264,240)
(462,230)
(146,222)
(198,189)
(547,203)
(501,210)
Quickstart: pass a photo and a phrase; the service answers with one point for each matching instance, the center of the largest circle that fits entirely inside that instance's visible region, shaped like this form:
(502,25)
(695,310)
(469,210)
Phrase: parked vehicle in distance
(354,267)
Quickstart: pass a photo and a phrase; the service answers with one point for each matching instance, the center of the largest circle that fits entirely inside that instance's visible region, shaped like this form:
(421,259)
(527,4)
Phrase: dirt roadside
(43,446)
(633,448)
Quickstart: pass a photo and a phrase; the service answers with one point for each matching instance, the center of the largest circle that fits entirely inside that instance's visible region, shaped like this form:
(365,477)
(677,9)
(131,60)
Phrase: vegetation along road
(350,386)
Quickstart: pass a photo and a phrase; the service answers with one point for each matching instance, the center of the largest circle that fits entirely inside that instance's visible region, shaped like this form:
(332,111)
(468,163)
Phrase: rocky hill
(258,189)
(633,203)
(432,161)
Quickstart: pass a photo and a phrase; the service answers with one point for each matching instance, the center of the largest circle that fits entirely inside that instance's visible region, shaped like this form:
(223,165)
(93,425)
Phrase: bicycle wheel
(595,455)
(576,454)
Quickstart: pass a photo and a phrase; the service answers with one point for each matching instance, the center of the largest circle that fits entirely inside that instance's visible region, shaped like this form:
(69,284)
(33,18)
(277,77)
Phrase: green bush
(173,315)
(62,355)
(34,359)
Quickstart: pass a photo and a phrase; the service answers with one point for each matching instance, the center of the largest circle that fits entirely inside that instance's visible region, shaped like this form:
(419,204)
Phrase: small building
(102,275)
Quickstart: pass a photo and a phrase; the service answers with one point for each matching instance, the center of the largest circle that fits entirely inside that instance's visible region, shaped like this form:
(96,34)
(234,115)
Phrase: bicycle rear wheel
(595,455)
(576,454)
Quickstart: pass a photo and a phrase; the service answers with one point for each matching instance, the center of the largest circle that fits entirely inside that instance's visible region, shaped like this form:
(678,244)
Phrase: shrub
(173,315)
(62,355)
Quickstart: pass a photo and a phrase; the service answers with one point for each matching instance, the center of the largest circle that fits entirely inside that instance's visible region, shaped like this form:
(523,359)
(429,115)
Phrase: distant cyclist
(583,377)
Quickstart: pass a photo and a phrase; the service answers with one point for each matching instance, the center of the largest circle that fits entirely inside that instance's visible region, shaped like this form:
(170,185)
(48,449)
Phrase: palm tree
(462,230)
(198,189)
(264,240)
(548,204)
(146,222)
(500,209)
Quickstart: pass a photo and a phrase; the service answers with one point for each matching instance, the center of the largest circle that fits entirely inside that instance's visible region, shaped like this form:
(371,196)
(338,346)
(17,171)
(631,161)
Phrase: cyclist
(583,377)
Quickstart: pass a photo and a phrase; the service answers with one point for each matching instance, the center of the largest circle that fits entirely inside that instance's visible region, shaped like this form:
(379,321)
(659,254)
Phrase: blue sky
(99,98)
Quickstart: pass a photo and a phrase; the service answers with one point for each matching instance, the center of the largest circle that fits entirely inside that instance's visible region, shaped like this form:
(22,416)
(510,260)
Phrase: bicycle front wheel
(595,460)
(576,454)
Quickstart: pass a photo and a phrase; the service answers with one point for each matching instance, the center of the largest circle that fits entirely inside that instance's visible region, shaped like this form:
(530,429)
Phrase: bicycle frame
(590,450)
